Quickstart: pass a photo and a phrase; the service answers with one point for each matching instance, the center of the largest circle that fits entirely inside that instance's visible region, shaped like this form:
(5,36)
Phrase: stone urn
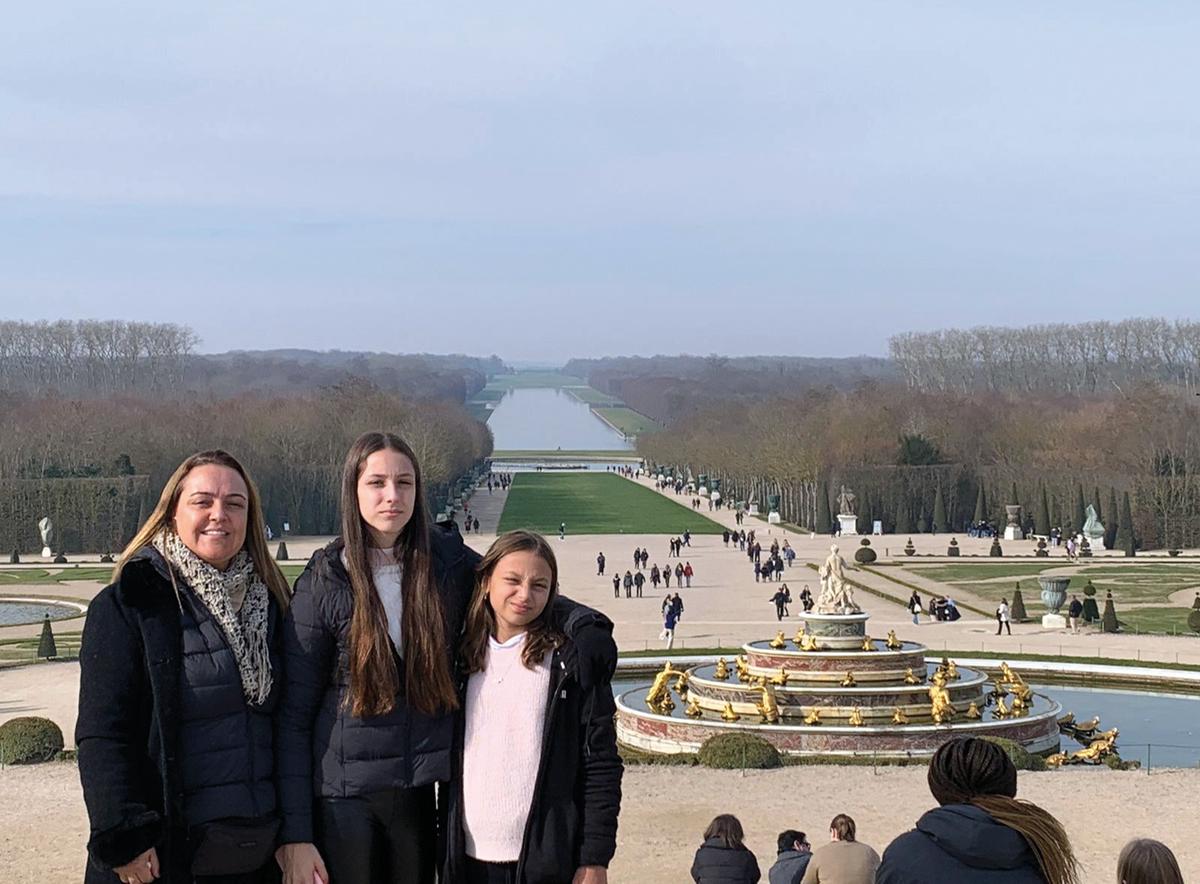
(1054,592)
(1012,531)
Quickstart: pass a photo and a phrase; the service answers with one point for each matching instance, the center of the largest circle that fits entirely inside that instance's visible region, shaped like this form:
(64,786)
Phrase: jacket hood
(972,837)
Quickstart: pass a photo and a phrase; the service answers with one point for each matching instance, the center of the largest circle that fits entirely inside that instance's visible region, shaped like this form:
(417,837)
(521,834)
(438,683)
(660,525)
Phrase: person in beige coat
(843,860)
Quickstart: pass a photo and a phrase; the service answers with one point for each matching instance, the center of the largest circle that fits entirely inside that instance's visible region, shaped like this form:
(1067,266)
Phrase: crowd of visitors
(979,833)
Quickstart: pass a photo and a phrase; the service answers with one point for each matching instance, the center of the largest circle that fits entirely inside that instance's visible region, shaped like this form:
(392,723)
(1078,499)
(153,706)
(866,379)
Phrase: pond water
(1159,730)
(15,613)
(545,419)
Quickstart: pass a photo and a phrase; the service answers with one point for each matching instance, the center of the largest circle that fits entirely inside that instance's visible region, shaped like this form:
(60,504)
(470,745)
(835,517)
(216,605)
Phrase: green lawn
(979,571)
(628,421)
(595,503)
(1159,620)
(37,576)
(592,396)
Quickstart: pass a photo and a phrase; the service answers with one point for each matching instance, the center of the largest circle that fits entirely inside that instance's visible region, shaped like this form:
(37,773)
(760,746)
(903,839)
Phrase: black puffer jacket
(573,819)
(960,843)
(135,709)
(325,751)
(717,864)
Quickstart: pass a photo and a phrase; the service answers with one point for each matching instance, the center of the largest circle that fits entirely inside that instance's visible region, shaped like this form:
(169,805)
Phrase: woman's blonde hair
(256,537)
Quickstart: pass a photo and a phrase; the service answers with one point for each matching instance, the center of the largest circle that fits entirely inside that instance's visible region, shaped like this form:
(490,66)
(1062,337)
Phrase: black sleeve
(308,656)
(601,765)
(111,735)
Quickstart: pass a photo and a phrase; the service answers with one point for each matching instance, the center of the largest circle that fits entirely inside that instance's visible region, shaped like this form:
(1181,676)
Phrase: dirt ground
(43,826)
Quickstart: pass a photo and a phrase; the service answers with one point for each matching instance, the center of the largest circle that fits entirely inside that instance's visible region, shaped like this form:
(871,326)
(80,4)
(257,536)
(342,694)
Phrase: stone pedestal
(836,631)
(848,524)
(702,491)
(46,553)
(1014,532)
(1054,621)
(754,509)
(774,518)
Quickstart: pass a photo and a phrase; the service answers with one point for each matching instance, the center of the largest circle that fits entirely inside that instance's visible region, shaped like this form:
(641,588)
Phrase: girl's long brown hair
(255,544)
(1146,861)
(541,636)
(969,770)
(374,681)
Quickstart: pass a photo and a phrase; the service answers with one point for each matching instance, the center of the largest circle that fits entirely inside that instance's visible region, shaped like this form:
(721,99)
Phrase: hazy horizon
(541,181)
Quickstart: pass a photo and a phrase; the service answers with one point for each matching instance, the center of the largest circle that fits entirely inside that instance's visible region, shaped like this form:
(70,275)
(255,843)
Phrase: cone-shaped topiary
(738,751)
(60,559)
(1125,538)
(1013,499)
(281,554)
(824,519)
(1042,552)
(863,522)
(1194,620)
(29,740)
(903,522)
(1108,623)
(1080,514)
(952,549)
(864,555)
(1041,524)
(995,552)
(46,647)
(15,558)
(1114,520)
(939,513)
(909,549)
(980,507)
(1016,611)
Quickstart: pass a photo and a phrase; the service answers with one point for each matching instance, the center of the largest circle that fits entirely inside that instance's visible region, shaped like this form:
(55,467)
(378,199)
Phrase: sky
(547,180)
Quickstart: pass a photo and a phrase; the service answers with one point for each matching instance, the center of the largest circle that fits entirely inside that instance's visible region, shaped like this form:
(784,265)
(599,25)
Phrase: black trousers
(384,836)
(490,873)
(268,874)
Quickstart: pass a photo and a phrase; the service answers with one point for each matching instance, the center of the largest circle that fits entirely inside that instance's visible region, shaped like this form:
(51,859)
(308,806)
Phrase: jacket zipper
(557,690)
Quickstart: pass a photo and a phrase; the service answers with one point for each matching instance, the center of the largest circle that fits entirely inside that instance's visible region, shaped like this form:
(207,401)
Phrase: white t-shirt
(388,575)
(505,719)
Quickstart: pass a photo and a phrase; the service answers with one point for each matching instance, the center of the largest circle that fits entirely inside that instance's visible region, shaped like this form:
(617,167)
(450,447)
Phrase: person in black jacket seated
(537,787)
(981,833)
(723,858)
(179,676)
(365,723)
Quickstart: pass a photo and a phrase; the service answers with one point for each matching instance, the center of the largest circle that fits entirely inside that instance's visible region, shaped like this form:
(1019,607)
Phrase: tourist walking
(792,859)
(1146,861)
(562,530)
(616,586)
(787,599)
(363,739)
(600,565)
(1002,617)
(723,858)
(523,645)
(670,618)
(979,831)
(914,607)
(843,860)
(780,601)
(677,604)
(678,575)
(655,576)
(666,575)
(687,573)
(179,664)
(639,580)
(1074,612)
(627,582)
(757,572)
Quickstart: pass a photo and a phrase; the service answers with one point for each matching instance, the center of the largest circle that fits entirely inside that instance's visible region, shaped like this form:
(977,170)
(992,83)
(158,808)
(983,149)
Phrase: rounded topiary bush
(1021,757)
(1194,620)
(909,549)
(952,549)
(738,751)
(29,740)
(1042,552)
(106,559)
(60,559)
(864,555)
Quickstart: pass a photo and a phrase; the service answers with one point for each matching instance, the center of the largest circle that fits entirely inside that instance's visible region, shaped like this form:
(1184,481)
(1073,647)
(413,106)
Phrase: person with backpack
(1002,617)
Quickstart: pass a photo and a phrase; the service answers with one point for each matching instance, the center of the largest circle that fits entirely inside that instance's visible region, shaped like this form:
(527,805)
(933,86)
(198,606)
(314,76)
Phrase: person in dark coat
(723,858)
(537,783)
(180,666)
(792,859)
(980,833)
(366,724)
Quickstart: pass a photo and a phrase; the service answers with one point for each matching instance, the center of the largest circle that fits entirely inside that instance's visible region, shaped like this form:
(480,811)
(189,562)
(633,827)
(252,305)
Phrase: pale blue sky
(541,180)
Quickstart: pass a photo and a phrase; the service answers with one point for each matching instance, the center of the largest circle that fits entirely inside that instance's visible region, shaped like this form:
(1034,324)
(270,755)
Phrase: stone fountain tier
(834,631)
(875,702)
(879,665)
(639,727)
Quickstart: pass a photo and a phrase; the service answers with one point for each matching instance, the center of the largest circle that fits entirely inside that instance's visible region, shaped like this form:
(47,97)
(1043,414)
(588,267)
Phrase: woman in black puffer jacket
(723,858)
(980,833)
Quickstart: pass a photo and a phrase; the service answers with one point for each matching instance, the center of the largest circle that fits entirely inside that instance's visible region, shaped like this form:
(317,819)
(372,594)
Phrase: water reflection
(546,419)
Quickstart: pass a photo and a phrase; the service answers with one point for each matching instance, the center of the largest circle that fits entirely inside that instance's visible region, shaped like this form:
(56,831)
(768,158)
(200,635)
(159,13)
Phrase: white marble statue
(46,529)
(837,595)
(846,502)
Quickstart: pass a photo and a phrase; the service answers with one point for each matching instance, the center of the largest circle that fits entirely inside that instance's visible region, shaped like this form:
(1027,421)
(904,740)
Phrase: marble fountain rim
(818,688)
(878,653)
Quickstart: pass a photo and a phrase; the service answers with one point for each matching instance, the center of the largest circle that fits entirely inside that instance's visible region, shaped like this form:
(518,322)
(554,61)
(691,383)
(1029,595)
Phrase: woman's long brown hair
(970,770)
(541,636)
(255,543)
(374,681)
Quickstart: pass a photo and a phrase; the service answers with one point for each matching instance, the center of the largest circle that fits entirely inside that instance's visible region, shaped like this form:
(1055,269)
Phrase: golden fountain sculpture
(909,678)
(893,643)
(722,671)
(768,707)
(743,668)
(681,685)
(693,709)
(813,717)
(660,689)
(781,679)
(973,712)
(868,643)
(727,714)
(856,717)
(899,716)
(1001,708)
(779,642)
(848,681)
(798,638)
(940,707)
(809,642)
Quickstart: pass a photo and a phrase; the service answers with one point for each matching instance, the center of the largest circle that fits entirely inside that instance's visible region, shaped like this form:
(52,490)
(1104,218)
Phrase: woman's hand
(590,875)
(142,870)
(300,862)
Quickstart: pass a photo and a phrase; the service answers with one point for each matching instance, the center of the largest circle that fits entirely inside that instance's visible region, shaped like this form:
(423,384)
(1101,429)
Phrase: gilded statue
(973,712)
(681,685)
(899,716)
(1001,708)
(809,642)
(798,638)
(722,671)
(848,681)
(1019,706)
(781,678)
(951,669)
(768,706)
(659,688)
(666,706)
(693,709)
(813,717)
(868,644)
(909,678)
(743,668)
(837,596)
(940,707)
(893,643)
(856,717)
(779,642)
(727,714)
